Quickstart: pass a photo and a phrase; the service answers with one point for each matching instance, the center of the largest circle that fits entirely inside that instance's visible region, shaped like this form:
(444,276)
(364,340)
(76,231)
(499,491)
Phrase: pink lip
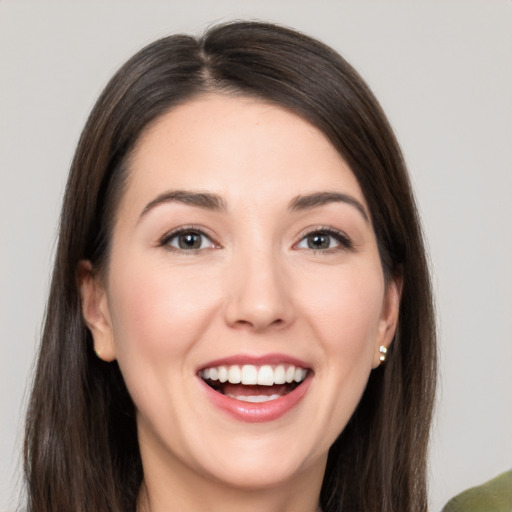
(271,359)
(257,412)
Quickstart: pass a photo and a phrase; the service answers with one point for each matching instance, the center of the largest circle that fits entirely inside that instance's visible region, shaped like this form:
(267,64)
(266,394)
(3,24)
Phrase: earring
(383,352)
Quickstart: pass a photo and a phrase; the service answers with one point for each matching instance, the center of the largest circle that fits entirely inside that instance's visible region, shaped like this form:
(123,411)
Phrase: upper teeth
(249,374)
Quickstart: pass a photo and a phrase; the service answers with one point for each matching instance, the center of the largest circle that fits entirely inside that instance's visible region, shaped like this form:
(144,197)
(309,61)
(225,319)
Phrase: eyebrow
(214,202)
(203,200)
(317,199)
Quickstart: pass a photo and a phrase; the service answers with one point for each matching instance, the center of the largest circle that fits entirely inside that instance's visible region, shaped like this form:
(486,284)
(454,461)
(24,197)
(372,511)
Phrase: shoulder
(493,496)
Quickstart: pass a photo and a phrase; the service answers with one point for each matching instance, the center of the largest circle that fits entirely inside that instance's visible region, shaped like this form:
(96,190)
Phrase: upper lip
(260,360)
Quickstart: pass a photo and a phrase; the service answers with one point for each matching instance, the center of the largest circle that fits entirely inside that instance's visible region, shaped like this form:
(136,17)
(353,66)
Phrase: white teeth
(234,374)
(266,376)
(223,373)
(255,399)
(251,375)
(280,375)
(299,376)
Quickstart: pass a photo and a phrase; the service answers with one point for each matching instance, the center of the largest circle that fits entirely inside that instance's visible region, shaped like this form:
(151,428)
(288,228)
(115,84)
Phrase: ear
(389,318)
(96,312)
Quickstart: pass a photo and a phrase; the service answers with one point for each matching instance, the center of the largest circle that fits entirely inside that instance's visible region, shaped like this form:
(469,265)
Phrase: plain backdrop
(443,73)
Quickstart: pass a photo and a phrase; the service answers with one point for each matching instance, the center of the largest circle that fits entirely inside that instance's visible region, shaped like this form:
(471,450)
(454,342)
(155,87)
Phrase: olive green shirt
(493,496)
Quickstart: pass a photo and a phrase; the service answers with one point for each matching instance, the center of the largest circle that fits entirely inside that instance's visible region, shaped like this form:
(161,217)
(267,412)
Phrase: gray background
(443,72)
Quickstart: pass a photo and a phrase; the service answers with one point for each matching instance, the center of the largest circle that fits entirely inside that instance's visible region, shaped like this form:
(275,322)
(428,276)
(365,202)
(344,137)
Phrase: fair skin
(276,262)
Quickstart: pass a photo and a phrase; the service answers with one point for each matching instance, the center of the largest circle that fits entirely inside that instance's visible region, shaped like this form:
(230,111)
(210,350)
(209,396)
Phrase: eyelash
(166,239)
(345,243)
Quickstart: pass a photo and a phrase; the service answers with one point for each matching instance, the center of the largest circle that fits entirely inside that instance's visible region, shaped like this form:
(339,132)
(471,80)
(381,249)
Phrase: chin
(258,475)
(264,463)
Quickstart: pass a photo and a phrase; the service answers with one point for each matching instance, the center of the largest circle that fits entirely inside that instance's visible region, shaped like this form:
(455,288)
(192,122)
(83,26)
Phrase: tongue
(242,390)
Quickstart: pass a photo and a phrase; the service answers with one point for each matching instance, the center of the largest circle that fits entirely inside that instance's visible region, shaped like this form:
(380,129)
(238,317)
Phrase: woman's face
(242,250)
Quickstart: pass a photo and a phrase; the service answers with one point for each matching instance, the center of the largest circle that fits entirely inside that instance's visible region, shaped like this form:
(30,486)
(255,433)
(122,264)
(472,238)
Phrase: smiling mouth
(255,384)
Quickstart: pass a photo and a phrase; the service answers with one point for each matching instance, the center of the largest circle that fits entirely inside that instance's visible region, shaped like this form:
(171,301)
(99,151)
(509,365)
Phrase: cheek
(346,312)
(158,312)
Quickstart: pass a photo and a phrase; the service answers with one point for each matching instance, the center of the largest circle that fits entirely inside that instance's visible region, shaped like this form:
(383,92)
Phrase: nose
(259,294)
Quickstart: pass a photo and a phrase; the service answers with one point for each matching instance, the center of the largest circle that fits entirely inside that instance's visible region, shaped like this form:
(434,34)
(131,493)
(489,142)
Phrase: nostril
(259,324)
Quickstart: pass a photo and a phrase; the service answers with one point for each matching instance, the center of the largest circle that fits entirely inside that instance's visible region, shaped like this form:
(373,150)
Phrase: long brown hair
(81,449)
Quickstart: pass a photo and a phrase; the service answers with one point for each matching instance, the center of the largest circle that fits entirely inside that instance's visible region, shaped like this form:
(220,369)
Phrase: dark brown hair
(81,449)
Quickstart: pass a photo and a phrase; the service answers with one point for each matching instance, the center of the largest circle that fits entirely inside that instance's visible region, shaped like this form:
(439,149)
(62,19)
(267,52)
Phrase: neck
(260,501)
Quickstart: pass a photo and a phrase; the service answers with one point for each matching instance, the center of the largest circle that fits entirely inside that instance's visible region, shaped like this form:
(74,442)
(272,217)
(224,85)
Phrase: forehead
(236,147)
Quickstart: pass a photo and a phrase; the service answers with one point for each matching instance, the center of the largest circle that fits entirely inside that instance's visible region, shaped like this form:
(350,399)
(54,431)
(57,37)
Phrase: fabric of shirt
(493,496)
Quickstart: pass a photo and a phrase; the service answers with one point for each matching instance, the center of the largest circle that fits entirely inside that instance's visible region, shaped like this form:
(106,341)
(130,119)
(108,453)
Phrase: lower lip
(257,412)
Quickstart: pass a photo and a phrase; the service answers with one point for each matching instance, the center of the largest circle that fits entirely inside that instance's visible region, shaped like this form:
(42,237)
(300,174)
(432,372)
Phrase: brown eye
(188,240)
(325,240)
(319,241)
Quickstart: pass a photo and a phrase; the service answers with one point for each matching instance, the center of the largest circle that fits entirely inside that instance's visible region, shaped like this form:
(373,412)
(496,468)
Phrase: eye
(325,239)
(188,240)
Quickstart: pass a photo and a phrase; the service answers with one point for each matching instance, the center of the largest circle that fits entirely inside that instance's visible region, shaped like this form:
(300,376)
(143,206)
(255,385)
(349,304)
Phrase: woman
(239,252)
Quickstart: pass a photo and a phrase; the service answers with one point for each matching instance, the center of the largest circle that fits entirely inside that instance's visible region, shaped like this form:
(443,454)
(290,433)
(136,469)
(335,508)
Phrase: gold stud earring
(383,352)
